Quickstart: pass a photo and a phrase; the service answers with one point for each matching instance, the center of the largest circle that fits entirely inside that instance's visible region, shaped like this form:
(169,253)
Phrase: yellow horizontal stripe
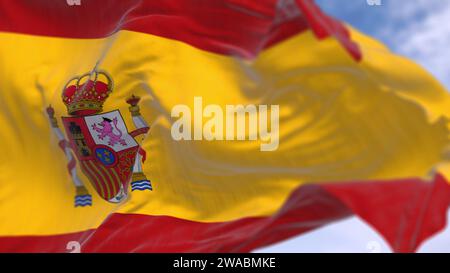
(339,121)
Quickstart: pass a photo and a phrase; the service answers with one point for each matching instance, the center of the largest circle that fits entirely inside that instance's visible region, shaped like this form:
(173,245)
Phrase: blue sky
(420,30)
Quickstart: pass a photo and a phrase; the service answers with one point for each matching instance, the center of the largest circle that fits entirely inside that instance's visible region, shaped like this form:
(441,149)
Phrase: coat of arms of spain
(106,152)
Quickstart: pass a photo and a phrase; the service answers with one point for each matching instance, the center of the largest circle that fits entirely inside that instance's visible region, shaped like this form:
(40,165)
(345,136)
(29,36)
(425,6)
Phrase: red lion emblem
(107,130)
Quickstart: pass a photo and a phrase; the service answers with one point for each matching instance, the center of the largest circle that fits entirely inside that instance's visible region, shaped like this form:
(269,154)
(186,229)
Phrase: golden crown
(85,94)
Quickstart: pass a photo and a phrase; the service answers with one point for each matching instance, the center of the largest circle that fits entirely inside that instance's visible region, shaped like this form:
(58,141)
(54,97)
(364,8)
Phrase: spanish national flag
(88,90)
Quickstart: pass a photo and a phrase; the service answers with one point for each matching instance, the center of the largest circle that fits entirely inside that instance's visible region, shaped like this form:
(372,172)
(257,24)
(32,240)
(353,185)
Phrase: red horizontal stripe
(405,212)
(231,27)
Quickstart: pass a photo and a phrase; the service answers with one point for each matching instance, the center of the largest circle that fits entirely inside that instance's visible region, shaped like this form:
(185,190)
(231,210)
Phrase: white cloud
(407,10)
(424,35)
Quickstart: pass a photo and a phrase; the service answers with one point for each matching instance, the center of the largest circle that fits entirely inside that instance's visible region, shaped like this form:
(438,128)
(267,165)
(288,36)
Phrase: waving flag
(87,90)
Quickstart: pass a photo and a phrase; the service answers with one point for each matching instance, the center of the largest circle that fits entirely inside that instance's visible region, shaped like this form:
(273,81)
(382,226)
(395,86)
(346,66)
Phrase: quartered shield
(105,151)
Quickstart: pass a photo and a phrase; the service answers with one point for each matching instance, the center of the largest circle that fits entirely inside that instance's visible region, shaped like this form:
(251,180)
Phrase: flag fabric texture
(362,131)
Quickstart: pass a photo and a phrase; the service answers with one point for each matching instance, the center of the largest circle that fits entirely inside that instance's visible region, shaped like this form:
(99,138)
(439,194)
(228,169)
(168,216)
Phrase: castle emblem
(106,152)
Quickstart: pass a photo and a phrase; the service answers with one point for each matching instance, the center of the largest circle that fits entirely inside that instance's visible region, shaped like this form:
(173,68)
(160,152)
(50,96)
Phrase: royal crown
(85,94)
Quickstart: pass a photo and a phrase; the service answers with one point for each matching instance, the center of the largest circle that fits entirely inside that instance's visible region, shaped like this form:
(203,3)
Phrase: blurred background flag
(362,131)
